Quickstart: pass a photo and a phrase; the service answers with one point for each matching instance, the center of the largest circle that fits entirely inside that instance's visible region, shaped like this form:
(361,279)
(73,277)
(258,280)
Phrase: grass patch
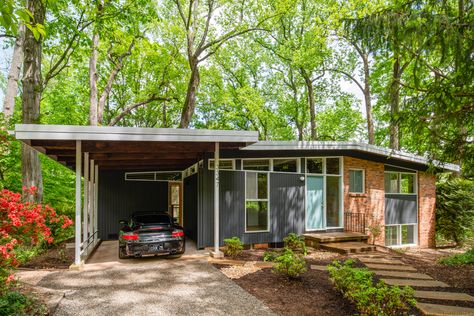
(459,259)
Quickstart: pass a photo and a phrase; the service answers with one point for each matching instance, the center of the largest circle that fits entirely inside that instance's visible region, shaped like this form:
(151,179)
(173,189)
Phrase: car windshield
(153,219)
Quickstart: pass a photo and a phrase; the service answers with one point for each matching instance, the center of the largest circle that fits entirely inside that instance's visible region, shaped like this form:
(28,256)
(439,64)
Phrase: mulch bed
(312,294)
(58,257)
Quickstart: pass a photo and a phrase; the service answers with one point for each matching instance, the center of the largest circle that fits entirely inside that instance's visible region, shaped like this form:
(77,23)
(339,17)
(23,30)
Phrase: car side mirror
(123,222)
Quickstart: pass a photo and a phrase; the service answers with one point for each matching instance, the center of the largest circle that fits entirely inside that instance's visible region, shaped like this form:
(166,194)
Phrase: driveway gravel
(160,287)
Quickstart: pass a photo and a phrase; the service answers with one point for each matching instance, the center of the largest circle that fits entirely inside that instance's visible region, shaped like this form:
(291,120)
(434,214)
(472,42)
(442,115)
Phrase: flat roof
(350,147)
(130,148)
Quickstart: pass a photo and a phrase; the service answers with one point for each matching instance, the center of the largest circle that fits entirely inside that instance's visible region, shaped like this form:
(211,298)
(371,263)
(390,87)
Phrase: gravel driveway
(162,287)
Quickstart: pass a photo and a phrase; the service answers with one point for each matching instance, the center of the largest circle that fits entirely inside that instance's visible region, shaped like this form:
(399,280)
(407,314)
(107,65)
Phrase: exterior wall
(190,206)
(372,201)
(427,209)
(286,207)
(118,199)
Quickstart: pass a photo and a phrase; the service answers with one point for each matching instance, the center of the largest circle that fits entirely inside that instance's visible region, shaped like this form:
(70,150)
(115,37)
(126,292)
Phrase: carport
(90,149)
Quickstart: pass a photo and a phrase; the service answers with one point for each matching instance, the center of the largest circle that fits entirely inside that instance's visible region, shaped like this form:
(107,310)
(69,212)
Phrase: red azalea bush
(24,223)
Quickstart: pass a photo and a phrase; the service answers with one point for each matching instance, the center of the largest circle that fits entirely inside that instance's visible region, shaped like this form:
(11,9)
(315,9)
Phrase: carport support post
(92,192)
(77,250)
(96,204)
(216,253)
(86,194)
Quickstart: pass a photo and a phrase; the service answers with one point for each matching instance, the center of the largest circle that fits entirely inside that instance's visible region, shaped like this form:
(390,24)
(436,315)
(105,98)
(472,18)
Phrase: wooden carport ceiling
(130,148)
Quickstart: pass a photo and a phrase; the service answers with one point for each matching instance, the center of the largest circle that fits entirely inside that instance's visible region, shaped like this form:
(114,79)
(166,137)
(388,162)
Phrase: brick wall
(426,209)
(372,201)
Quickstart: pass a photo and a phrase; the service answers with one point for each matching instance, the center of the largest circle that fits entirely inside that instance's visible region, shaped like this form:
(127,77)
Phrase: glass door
(175,208)
(314,202)
(333,194)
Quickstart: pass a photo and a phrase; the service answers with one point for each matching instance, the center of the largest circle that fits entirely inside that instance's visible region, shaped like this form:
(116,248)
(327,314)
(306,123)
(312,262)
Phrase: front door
(175,203)
(314,202)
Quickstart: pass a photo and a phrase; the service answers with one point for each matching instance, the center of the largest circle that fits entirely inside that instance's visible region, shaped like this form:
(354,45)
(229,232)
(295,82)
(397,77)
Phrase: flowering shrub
(24,223)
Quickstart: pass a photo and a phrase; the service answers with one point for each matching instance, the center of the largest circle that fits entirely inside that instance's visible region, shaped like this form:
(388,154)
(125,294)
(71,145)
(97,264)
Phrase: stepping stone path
(395,272)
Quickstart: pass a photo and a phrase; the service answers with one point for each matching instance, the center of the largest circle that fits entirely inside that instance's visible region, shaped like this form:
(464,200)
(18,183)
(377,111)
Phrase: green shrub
(233,246)
(454,208)
(270,255)
(290,264)
(357,285)
(459,259)
(16,303)
(375,231)
(295,243)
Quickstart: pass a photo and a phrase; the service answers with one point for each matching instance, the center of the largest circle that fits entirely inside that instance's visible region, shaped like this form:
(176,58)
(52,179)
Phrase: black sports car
(150,234)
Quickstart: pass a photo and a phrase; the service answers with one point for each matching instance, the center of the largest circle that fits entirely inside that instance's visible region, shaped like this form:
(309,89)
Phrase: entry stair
(340,242)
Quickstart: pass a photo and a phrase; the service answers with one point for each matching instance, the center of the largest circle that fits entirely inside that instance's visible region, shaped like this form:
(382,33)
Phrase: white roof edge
(324,145)
(77,132)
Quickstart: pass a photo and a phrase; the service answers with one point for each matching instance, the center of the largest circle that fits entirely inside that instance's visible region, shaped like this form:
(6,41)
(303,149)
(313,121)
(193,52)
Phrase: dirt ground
(59,257)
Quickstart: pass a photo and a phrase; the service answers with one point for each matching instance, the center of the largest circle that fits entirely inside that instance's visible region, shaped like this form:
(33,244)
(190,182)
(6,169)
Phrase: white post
(91,191)
(216,253)
(86,196)
(77,252)
(96,206)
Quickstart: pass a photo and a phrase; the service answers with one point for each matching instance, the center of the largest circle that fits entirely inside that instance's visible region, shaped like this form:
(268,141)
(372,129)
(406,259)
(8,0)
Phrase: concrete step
(449,296)
(391,267)
(322,238)
(318,267)
(415,283)
(444,310)
(380,260)
(347,247)
(403,274)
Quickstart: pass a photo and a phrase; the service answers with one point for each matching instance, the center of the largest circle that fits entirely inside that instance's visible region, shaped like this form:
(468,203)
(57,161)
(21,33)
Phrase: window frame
(399,235)
(257,200)
(298,164)
(231,160)
(399,182)
(363,180)
(270,164)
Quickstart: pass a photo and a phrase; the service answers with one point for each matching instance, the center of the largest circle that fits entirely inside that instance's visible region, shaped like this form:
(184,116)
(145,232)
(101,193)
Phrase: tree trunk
(14,74)
(312,110)
(31,97)
(394,105)
(164,111)
(190,102)
(368,102)
(93,103)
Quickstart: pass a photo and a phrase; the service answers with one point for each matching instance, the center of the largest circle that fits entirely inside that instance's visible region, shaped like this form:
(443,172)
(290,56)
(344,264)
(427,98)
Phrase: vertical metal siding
(190,206)
(118,199)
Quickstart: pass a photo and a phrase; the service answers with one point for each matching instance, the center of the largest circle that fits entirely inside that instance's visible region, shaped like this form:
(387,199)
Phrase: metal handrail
(354,222)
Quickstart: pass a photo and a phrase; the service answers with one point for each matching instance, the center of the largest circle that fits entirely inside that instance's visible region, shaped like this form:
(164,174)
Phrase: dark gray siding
(119,198)
(190,206)
(286,208)
(400,209)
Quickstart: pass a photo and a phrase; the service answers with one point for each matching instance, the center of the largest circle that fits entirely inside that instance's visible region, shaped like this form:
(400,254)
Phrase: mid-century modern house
(220,184)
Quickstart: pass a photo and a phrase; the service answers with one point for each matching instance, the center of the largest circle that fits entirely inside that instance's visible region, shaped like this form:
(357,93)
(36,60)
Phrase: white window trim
(257,200)
(270,165)
(399,175)
(341,192)
(399,235)
(154,176)
(363,180)
(220,160)
(298,165)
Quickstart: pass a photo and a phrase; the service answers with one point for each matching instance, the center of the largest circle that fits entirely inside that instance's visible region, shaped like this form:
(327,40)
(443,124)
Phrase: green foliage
(459,259)
(17,303)
(375,231)
(233,246)
(290,264)
(270,255)
(454,208)
(295,243)
(357,285)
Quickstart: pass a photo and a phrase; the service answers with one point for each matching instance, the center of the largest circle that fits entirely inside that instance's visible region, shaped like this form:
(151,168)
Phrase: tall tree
(32,88)
(204,37)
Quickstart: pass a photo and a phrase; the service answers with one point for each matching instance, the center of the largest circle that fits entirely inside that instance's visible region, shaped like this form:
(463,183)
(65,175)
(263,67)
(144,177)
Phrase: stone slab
(444,310)
(381,261)
(320,268)
(391,267)
(415,283)
(451,296)
(403,274)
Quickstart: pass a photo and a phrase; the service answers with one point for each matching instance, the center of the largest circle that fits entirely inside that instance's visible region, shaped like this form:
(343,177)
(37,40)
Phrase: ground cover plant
(233,246)
(459,259)
(358,286)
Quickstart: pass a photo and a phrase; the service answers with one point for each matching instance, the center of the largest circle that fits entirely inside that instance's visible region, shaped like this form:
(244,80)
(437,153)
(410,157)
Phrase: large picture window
(400,235)
(400,183)
(256,202)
